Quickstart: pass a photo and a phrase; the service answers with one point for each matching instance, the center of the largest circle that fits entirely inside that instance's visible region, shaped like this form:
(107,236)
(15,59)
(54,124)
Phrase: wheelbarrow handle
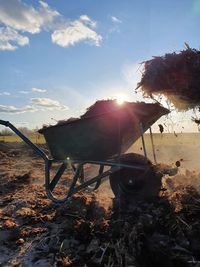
(5,123)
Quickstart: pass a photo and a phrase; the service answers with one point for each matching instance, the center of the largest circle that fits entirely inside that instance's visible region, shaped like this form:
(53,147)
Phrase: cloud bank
(5,93)
(25,18)
(10,39)
(36,104)
(18,18)
(34,89)
(48,103)
(15,110)
(24,92)
(77,31)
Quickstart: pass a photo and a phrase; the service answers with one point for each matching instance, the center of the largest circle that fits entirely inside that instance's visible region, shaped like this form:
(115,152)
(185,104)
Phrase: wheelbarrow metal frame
(115,165)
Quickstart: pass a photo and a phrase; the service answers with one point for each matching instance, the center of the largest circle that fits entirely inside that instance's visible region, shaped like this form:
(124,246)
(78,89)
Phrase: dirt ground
(87,230)
(27,215)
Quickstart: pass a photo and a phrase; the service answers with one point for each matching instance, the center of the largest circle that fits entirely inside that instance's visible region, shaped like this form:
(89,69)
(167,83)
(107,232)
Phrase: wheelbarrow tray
(101,136)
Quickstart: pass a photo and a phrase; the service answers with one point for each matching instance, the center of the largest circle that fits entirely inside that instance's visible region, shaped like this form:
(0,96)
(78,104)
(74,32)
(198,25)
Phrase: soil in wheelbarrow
(88,230)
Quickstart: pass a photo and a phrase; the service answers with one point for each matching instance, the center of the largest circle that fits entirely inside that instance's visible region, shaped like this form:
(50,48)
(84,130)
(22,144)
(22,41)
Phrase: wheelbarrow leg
(57,177)
(75,179)
(81,173)
(50,185)
(98,183)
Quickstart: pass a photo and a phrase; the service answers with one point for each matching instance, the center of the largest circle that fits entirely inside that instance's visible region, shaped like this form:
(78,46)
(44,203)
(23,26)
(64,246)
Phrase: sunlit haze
(120,99)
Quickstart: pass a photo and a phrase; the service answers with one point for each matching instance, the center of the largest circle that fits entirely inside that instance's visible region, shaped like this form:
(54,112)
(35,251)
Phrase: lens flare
(120,99)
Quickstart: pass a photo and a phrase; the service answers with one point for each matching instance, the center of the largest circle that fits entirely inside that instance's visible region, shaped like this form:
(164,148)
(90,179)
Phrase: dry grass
(169,147)
(35,138)
(159,139)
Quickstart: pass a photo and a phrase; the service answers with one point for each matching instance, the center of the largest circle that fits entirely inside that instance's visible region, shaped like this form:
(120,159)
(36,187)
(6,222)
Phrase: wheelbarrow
(101,140)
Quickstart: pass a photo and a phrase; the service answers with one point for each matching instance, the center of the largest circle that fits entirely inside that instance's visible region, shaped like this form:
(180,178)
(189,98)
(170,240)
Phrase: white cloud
(16,17)
(5,93)
(20,16)
(88,21)
(15,110)
(115,19)
(37,104)
(24,92)
(77,31)
(38,90)
(48,104)
(10,39)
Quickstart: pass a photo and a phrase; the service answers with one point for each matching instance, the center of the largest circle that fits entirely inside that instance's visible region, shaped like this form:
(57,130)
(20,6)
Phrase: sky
(59,57)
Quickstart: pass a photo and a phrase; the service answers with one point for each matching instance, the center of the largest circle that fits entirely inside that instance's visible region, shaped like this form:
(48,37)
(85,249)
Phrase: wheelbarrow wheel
(133,184)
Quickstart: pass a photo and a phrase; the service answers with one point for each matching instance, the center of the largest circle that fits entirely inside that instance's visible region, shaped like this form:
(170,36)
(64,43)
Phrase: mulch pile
(175,75)
(99,107)
(106,106)
(102,106)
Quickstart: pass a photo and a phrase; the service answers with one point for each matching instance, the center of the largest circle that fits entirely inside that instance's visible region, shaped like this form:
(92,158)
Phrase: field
(168,147)
(88,230)
(35,138)
(172,147)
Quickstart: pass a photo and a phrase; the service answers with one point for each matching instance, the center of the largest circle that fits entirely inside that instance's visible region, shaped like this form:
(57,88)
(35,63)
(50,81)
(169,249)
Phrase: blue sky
(58,57)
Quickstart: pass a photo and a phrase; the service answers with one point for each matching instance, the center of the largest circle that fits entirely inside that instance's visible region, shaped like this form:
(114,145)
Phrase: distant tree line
(24,130)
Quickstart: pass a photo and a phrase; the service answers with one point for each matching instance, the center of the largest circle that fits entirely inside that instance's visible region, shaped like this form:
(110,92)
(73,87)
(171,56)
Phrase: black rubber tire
(132,184)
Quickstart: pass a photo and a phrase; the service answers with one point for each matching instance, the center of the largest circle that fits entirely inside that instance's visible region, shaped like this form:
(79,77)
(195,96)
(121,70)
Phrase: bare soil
(88,230)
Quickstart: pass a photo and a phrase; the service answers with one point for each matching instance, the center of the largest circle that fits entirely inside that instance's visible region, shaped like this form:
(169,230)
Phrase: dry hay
(176,76)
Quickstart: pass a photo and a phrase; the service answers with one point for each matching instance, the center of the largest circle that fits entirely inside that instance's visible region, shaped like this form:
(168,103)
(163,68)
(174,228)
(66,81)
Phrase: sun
(120,99)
